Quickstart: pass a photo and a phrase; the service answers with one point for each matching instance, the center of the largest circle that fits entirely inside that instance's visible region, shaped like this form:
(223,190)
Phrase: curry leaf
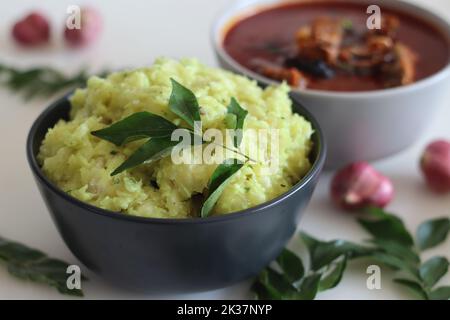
(395,263)
(218,182)
(136,126)
(308,287)
(392,246)
(397,249)
(291,265)
(153,149)
(323,253)
(333,274)
(41,81)
(386,226)
(262,293)
(15,252)
(276,286)
(329,251)
(230,121)
(237,114)
(441,293)
(184,104)
(310,242)
(414,287)
(433,270)
(33,265)
(432,232)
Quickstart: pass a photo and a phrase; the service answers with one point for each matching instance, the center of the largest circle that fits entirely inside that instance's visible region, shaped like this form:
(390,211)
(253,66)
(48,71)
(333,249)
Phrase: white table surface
(135,33)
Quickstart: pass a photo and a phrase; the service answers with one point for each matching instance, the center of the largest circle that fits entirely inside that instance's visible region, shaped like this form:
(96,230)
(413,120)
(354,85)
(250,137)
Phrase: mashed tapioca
(81,164)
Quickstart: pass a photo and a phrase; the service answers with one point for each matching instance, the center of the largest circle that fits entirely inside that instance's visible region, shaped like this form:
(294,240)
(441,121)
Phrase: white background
(135,33)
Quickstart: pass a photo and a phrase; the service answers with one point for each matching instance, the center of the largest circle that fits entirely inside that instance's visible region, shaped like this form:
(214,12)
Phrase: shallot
(359,185)
(88,30)
(435,165)
(32,30)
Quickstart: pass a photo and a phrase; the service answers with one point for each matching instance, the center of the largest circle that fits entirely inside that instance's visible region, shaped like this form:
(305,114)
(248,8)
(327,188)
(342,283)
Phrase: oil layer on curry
(327,46)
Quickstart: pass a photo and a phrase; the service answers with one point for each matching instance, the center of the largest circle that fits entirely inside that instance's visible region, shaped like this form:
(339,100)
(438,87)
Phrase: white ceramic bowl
(359,125)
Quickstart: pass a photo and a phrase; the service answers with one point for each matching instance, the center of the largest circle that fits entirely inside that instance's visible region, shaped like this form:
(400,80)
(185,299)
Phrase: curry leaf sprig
(327,263)
(33,265)
(391,245)
(400,251)
(432,232)
(41,81)
(158,132)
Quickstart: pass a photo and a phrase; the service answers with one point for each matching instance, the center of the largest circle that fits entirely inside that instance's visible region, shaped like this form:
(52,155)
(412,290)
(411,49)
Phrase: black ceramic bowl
(173,255)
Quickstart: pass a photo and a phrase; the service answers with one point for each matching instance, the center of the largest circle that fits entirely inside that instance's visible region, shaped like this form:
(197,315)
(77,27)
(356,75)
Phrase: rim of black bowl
(317,165)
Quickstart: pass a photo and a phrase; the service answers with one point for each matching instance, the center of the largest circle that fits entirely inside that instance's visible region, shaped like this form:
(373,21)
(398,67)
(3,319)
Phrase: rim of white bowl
(240,9)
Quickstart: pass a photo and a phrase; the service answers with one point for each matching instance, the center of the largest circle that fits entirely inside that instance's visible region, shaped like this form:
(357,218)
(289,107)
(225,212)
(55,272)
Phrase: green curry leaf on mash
(217,183)
(137,126)
(235,120)
(33,265)
(147,125)
(184,104)
(153,149)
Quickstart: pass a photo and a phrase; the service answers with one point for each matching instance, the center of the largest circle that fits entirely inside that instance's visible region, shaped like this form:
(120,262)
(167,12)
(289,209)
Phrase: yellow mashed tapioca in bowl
(80,163)
(157,224)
